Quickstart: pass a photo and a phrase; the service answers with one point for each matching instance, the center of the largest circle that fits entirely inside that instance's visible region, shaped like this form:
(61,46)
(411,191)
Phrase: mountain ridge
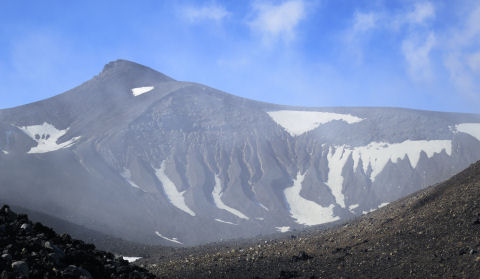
(127,156)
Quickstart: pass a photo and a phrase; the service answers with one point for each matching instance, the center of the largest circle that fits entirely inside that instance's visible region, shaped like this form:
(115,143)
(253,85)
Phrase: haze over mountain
(135,154)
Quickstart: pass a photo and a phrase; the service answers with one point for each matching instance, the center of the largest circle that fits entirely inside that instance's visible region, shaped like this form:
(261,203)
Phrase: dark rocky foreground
(434,233)
(32,250)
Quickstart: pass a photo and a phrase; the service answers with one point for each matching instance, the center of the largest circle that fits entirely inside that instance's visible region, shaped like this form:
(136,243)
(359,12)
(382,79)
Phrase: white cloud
(364,21)
(421,12)
(417,55)
(473,61)
(277,21)
(212,12)
(462,58)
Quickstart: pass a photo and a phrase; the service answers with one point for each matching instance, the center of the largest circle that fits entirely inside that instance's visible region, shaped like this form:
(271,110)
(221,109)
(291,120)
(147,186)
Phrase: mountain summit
(135,154)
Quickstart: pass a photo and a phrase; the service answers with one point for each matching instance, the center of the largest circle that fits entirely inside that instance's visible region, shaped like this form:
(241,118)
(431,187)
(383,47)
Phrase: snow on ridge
(283,229)
(131,259)
(175,197)
(174,239)
(217,199)
(225,222)
(305,211)
(46,137)
(297,122)
(141,90)
(472,129)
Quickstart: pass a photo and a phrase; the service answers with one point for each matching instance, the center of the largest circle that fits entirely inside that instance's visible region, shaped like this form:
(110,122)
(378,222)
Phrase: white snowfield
(128,177)
(376,155)
(217,199)
(131,259)
(283,229)
(174,239)
(5,152)
(175,197)
(225,222)
(46,136)
(297,122)
(141,90)
(306,212)
(472,129)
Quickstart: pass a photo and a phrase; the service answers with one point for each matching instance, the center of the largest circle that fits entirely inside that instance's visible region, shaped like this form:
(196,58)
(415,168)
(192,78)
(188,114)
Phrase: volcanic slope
(137,155)
(432,233)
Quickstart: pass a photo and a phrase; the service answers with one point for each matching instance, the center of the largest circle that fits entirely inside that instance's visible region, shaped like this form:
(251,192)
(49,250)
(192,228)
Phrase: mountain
(135,154)
(433,233)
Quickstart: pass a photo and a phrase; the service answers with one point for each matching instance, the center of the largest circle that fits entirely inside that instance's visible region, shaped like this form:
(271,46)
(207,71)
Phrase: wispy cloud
(462,59)
(416,51)
(418,40)
(211,12)
(277,21)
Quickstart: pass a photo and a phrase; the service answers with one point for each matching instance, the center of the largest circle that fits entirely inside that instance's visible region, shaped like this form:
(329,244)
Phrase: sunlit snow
(297,122)
(174,239)
(226,222)
(337,157)
(46,137)
(174,196)
(141,90)
(305,211)
(217,199)
(131,259)
(472,129)
(376,155)
(283,229)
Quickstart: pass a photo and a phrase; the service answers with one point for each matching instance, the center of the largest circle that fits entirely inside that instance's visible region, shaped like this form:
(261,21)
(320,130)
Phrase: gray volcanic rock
(135,154)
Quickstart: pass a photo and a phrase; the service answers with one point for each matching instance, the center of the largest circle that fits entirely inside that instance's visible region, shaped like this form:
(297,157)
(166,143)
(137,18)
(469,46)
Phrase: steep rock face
(138,155)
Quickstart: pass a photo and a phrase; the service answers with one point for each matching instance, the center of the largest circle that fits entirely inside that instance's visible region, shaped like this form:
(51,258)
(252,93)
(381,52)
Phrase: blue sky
(414,54)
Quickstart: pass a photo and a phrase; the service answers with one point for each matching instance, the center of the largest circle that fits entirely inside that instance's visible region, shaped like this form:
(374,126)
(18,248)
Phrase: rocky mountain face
(135,154)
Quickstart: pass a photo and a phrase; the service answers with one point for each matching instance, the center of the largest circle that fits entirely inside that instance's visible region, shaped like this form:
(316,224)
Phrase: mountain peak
(122,67)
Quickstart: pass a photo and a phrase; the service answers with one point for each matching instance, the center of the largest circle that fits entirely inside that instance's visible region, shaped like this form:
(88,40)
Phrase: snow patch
(131,259)
(283,229)
(226,222)
(378,154)
(46,137)
(263,206)
(174,239)
(305,211)
(217,199)
(5,152)
(298,122)
(141,90)
(337,157)
(260,218)
(175,197)
(352,207)
(472,129)
(128,177)
(383,204)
